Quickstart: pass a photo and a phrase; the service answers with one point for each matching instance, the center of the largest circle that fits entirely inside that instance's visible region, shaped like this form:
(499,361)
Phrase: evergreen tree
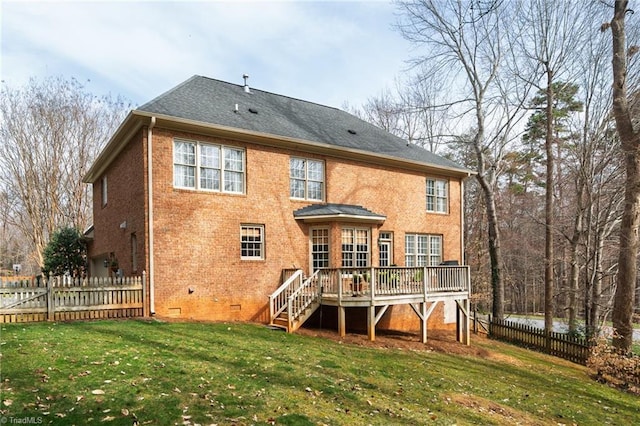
(66,253)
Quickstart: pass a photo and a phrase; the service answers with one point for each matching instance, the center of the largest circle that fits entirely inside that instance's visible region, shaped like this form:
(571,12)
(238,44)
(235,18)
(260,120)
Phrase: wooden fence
(66,298)
(562,345)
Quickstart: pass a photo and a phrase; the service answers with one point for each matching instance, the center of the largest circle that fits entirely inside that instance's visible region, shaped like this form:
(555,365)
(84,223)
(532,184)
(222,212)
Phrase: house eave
(342,218)
(131,124)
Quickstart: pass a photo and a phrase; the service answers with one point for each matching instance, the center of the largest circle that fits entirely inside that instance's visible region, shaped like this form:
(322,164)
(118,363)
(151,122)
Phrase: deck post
(462,321)
(342,329)
(371,322)
(423,321)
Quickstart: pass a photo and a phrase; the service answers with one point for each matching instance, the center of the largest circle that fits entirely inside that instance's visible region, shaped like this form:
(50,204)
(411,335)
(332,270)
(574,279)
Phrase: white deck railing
(394,280)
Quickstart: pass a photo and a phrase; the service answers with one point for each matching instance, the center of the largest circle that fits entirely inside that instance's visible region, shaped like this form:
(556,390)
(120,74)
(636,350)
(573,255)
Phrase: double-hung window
(252,242)
(355,248)
(306,179)
(422,250)
(208,167)
(437,195)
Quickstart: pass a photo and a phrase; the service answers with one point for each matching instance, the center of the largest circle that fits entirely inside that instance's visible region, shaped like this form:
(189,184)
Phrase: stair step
(277,327)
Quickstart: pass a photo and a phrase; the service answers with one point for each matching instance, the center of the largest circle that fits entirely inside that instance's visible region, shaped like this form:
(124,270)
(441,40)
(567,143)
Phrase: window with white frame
(103,191)
(306,179)
(355,248)
(437,195)
(208,167)
(252,242)
(422,250)
(319,248)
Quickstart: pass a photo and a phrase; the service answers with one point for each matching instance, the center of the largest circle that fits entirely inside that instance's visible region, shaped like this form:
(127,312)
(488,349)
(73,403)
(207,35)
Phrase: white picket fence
(66,298)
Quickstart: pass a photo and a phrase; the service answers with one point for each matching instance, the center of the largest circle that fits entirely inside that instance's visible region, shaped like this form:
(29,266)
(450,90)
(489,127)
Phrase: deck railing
(394,280)
(302,298)
(279,300)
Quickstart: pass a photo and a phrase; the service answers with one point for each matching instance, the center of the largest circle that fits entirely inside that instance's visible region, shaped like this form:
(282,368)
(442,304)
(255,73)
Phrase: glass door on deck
(385,241)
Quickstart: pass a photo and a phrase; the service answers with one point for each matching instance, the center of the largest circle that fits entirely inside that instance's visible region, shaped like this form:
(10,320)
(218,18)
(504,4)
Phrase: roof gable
(216,102)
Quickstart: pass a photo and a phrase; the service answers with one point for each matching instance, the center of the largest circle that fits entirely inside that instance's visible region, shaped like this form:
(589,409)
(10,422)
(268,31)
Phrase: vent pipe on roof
(246,85)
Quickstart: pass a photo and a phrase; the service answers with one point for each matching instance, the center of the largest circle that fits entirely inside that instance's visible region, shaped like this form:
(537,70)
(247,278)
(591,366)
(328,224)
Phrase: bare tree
(465,50)
(50,132)
(630,144)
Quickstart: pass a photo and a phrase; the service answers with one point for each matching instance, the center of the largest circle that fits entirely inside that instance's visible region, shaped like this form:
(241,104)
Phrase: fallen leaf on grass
(97,392)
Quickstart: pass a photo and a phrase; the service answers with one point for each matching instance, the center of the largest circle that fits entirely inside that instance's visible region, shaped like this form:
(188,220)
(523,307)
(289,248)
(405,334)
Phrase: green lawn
(107,372)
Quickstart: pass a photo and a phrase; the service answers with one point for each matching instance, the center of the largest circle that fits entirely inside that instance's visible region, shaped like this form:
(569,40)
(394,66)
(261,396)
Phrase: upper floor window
(306,179)
(422,250)
(208,167)
(252,242)
(437,195)
(103,190)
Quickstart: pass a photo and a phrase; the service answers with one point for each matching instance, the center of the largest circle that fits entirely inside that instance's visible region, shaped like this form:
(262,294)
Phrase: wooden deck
(376,289)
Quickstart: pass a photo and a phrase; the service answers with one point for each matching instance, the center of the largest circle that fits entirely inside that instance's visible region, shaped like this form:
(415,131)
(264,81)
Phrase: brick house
(221,193)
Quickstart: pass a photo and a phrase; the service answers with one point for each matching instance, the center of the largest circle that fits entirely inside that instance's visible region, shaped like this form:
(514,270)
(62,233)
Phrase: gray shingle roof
(213,102)
(333,209)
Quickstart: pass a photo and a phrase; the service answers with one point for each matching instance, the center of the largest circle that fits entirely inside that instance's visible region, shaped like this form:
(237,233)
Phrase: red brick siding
(125,203)
(198,270)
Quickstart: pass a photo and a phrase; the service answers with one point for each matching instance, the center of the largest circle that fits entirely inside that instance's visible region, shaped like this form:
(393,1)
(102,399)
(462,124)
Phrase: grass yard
(113,372)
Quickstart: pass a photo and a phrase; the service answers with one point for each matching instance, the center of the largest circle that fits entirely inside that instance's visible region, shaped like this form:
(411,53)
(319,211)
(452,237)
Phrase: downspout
(152,301)
(463,261)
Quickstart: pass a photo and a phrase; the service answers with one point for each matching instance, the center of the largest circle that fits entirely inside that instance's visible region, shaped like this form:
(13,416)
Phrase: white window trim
(429,255)
(104,190)
(323,228)
(262,241)
(355,250)
(437,197)
(222,170)
(307,180)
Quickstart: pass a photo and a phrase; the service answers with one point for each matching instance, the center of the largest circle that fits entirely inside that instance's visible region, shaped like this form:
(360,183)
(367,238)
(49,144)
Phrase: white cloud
(326,52)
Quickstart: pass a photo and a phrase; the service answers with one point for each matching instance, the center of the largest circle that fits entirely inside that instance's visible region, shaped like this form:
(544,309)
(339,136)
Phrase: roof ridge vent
(246,85)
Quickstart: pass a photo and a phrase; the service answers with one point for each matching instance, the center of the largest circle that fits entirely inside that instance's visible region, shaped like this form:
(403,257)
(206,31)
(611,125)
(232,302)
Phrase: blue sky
(330,52)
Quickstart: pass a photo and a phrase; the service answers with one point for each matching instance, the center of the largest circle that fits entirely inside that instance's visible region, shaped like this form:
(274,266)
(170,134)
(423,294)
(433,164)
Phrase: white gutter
(152,301)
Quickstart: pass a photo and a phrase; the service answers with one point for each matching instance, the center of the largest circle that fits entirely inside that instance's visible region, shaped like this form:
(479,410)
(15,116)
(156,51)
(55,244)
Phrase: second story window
(437,195)
(208,167)
(104,190)
(306,179)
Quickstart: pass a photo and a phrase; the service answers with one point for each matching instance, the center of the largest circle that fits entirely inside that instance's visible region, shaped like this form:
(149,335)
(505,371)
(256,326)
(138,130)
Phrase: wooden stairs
(282,320)
(294,301)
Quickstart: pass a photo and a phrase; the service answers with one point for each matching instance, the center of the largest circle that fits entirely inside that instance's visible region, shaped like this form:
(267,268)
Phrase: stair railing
(302,298)
(278,300)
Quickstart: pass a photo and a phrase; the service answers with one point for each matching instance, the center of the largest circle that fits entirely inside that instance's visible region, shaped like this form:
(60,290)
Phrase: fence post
(490,328)
(50,307)
(145,310)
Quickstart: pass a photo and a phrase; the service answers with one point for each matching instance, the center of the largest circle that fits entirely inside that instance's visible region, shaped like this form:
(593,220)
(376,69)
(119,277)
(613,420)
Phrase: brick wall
(198,270)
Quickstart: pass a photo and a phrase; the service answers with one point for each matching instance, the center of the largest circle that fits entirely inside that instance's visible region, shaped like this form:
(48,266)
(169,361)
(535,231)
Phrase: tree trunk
(549,218)
(495,256)
(630,142)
